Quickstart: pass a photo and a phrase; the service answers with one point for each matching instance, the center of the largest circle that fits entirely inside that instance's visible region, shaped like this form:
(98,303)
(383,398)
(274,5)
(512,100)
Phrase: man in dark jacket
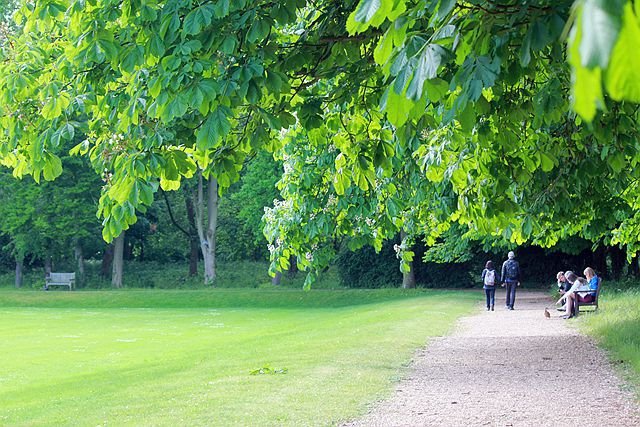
(511,278)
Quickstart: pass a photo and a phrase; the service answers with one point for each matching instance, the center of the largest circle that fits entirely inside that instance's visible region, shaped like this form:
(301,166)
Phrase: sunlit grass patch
(187,357)
(616,326)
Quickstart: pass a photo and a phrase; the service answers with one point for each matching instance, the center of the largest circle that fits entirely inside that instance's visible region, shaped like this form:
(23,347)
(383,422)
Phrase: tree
(240,224)
(7,8)
(475,96)
(206,224)
(191,98)
(187,228)
(53,220)
(479,94)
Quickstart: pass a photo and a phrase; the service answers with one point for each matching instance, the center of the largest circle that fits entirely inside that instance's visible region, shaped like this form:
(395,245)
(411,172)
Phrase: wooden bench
(60,279)
(594,303)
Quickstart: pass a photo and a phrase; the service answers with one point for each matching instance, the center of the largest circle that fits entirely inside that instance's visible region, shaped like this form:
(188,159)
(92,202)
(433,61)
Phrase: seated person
(563,284)
(573,282)
(592,280)
(583,290)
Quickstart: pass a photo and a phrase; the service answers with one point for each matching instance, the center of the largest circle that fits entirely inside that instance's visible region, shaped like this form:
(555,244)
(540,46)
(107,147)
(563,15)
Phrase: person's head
(511,255)
(570,276)
(489,265)
(560,276)
(589,273)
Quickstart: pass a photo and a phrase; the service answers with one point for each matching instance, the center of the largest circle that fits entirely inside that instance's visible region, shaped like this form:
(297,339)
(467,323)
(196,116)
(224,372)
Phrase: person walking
(511,275)
(489,280)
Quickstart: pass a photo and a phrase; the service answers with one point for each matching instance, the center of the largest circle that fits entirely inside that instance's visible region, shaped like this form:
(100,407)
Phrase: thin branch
(173,220)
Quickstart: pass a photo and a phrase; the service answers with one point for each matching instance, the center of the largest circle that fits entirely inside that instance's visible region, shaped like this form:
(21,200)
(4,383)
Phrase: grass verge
(616,327)
(153,275)
(185,357)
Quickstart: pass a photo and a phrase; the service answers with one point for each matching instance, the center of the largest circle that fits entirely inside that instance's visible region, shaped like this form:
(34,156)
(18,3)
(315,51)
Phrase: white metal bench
(60,279)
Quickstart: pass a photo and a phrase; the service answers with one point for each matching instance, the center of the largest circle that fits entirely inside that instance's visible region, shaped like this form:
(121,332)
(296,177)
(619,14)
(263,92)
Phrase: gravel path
(509,368)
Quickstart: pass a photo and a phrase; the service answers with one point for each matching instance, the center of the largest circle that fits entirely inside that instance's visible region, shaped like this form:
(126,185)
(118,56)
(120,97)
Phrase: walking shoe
(510,308)
(491,308)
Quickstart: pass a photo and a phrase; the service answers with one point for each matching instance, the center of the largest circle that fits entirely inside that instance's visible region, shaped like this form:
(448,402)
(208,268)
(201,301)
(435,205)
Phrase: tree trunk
(107,259)
(208,235)
(77,250)
(194,257)
(19,272)
(600,260)
(275,280)
(293,265)
(193,239)
(408,278)
(635,268)
(118,261)
(47,265)
(618,259)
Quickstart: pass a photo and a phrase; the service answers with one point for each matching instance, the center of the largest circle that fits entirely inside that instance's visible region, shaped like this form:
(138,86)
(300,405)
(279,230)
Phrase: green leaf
(384,49)
(436,89)
(467,118)
(527,226)
(53,168)
(396,106)
(446,6)
(623,74)
(197,19)
(67,131)
(259,30)
(525,49)
(146,193)
(55,106)
(587,84)
(366,10)
(370,13)
(427,68)
(215,127)
(617,162)
(221,8)
(229,44)
(600,23)
(547,162)
(133,56)
(340,183)
(156,47)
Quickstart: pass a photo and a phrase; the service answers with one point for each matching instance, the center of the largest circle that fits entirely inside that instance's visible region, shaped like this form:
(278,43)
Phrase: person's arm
(502,272)
(583,290)
(484,273)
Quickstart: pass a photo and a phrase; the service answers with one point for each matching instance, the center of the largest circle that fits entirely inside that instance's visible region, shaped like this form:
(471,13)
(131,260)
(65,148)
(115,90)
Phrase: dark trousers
(491,296)
(511,294)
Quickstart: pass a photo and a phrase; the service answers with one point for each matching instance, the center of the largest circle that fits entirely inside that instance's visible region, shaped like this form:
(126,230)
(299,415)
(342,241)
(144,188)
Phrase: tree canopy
(514,122)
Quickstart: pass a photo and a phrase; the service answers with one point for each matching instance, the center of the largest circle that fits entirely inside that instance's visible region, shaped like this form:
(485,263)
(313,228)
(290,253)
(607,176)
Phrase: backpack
(490,278)
(512,270)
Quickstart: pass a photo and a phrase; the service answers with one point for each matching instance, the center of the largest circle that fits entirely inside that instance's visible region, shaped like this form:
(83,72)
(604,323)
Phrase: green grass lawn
(616,326)
(184,357)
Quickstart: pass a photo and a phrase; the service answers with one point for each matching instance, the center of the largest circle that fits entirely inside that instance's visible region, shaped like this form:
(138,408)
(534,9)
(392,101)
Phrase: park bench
(594,303)
(60,279)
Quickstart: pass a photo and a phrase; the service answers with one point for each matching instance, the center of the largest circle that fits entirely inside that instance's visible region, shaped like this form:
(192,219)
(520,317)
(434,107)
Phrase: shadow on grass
(218,298)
